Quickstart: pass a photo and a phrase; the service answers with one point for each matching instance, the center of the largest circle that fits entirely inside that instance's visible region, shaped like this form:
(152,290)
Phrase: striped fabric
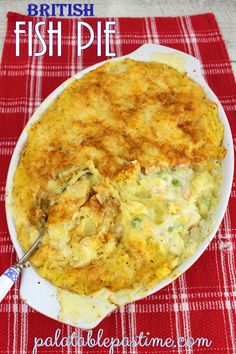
(201,303)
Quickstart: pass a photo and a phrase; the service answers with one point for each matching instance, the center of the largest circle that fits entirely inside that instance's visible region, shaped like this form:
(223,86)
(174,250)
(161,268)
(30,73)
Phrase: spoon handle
(8,279)
(10,276)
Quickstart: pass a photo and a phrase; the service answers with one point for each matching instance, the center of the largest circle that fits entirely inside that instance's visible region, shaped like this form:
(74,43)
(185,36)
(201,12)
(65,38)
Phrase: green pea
(160,174)
(136,222)
(207,201)
(176,182)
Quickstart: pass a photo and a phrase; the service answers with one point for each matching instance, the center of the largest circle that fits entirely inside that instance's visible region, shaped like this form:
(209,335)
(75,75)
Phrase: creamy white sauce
(174,60)
(78,309)
(172,234)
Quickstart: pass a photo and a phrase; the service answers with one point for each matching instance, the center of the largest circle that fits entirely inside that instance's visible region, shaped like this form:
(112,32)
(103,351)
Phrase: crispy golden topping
(120,122)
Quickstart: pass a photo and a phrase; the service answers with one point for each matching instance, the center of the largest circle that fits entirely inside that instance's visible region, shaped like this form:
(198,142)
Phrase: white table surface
(224,10)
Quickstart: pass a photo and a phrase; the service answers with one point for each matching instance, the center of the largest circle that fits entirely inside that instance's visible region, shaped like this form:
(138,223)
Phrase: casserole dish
(32,283)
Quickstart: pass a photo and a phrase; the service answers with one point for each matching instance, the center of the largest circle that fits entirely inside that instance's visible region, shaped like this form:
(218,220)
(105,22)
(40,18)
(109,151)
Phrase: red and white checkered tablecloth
(201,303)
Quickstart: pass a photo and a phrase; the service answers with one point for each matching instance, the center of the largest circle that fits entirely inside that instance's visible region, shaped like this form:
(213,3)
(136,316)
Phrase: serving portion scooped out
(151,143)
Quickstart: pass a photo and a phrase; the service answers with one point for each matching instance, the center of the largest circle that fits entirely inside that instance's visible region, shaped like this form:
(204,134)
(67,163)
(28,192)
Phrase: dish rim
(194,72)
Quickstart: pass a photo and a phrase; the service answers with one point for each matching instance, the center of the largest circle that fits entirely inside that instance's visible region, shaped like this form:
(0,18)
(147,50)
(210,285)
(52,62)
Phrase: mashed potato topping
(126,166)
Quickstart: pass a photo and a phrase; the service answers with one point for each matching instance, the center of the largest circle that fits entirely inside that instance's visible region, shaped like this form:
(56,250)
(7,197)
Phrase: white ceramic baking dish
(39,293)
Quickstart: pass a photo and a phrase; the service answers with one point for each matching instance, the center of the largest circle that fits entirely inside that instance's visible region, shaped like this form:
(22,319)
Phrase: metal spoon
(10,276)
